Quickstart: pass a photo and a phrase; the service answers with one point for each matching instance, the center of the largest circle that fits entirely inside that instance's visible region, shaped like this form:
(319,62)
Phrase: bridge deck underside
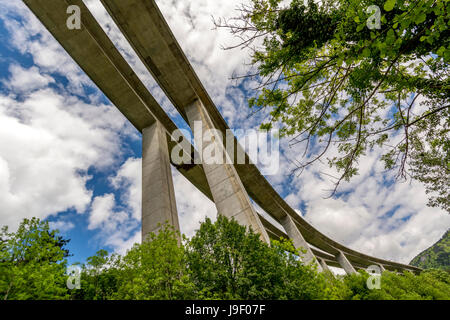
(147,31)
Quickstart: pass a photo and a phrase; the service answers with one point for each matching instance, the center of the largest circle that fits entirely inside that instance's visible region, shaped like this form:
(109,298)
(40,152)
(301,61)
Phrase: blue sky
(67,155)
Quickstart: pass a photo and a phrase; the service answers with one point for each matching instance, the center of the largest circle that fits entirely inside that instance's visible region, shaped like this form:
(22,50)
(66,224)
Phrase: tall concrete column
(299,242)
(324,266)
(345,264)
(229,195)
(158,194)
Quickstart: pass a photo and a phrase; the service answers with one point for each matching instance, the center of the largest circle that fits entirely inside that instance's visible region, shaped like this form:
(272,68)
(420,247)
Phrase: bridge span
(229,186)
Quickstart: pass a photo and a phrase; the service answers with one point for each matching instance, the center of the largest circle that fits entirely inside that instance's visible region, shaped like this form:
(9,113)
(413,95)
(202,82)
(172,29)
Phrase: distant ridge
(437,256)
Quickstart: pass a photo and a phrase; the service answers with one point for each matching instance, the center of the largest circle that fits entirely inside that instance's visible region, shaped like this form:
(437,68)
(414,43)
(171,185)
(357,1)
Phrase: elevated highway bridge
(229,186)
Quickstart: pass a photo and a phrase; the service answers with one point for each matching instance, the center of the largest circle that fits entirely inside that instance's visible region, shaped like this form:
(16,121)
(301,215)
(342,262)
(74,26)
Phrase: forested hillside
(437,256)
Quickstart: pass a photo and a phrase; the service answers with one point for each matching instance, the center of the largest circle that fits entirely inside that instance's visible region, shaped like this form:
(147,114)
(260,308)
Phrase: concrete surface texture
(158,194)
(227,190)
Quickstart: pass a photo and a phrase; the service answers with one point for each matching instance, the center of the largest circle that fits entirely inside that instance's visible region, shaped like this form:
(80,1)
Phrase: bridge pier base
(158,194)
(229,195)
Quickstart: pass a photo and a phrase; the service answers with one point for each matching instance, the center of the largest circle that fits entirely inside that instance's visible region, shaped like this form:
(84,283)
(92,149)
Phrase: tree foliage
(229,263)
(222,260)
(155,269)
(99,277)
(341,85)
(429,285)
(32,262)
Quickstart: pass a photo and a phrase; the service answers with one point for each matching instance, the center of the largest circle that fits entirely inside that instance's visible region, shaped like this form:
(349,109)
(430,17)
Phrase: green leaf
(441,51)
(366,52)
(389,5)
(390,37)
(420,18)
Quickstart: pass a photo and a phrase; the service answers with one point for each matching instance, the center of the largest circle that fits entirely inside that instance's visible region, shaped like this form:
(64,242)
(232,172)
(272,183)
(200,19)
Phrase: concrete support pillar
(345,264)
(158,194)
(299,242)
(324,266)
(229,195)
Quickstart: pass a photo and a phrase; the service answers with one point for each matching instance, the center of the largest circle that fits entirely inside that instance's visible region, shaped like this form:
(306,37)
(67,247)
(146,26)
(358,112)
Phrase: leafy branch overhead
(342,87)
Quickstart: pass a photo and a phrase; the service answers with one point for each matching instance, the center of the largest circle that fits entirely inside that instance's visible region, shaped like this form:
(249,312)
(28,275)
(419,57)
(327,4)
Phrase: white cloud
(29,36)
(115,227)
(122,246)
(61,225)
(193,206)
(26,80)
(116,221)
(102,212)
(373,215)
(49,138)
(129,179)
(48,142)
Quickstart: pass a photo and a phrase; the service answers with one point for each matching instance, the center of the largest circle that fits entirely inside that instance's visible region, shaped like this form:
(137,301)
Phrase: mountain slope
(437,256)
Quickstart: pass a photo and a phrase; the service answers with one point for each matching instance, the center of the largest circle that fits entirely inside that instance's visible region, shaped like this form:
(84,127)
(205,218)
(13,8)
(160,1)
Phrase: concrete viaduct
(229,186)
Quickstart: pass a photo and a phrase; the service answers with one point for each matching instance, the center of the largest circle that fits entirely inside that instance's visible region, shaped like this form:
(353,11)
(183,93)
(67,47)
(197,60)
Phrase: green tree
(429,285)
(229,262)
(99,277)
(223,260)
(155,269)
(343,87)
(32,262)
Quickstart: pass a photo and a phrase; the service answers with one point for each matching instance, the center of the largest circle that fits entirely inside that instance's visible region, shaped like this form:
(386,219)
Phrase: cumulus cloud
(129,179)
(49,137)
(61,225)
(117,220)
(26,80)
(45,153)
(192,205)
(102,214)
(28,36)
(371,213)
